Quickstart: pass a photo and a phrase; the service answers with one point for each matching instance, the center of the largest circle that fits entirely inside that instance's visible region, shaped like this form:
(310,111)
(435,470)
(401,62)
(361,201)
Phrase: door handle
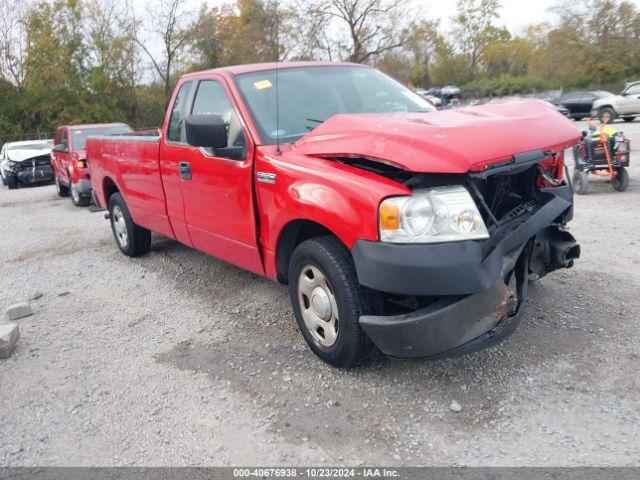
(185,170)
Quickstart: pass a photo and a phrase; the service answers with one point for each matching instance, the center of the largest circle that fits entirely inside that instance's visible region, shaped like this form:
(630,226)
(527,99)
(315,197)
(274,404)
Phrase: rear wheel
(580,182)
(328,301)
(620,181)
(132,239)
(629,119)
(62,190)
(77,199)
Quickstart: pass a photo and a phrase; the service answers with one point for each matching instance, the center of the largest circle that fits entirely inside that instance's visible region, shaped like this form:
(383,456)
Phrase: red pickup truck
(69,159)
(392,223)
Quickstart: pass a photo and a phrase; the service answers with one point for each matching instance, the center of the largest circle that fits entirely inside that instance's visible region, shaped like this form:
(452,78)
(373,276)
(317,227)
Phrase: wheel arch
(293,234)
(109,187)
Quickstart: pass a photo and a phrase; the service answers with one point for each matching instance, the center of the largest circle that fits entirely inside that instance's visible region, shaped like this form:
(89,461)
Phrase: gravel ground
(180,359)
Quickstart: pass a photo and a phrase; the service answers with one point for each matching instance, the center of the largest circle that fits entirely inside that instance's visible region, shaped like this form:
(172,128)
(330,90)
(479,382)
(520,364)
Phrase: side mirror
(59,148)
(208,131)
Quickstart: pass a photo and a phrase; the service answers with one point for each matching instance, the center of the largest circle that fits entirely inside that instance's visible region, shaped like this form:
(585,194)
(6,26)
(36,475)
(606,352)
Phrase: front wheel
(132,239)
(77,199)
(328,301)
(612,113)
(61,190)
(580,182)
(12,182)
(620,181)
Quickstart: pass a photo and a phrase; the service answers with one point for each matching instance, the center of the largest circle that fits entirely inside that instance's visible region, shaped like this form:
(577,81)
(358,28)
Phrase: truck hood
(450,141)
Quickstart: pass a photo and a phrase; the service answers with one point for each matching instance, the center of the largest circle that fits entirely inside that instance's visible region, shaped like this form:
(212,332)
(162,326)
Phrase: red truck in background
(69,159)
(391,223)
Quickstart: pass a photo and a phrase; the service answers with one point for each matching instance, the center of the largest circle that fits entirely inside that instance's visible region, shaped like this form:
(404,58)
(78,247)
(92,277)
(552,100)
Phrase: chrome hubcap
(119,226)
(318,306)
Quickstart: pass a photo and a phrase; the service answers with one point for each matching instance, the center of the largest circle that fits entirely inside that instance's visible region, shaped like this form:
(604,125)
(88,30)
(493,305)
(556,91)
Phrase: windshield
(79,135)
(310,95)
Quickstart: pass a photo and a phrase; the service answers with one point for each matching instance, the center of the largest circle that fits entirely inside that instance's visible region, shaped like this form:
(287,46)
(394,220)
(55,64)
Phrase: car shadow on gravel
(262,357)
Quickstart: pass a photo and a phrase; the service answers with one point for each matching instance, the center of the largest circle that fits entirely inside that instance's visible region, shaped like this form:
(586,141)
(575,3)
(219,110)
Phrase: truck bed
(132,162)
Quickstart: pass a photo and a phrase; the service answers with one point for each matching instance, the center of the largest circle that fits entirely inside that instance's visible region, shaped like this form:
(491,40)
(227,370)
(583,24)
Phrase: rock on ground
(9,336)
(17,311)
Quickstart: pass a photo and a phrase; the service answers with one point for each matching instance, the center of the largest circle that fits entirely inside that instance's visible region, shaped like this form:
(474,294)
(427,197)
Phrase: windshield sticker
(262,84)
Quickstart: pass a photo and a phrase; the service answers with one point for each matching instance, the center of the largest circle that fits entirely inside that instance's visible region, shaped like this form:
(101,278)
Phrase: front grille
(40,161)
(506,196)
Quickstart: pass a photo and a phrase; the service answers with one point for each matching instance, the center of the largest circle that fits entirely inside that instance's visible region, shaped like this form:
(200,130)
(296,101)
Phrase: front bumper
(84,187)
(478,282)
(30,176)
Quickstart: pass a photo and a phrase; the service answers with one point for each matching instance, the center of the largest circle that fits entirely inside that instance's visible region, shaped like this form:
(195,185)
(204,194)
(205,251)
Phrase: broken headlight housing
(442,214)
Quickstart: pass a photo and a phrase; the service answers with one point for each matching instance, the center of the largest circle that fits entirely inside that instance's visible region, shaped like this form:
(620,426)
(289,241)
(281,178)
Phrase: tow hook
(553,248)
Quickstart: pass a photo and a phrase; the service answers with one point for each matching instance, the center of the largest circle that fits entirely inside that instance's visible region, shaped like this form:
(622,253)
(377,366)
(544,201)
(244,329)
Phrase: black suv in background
(580,104)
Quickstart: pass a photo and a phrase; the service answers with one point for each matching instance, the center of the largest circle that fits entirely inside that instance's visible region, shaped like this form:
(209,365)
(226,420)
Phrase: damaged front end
(449,298)
(29,171)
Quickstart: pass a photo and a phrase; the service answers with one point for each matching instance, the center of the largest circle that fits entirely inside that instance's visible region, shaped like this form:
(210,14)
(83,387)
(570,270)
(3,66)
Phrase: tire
(322,268)
(621,181)
(629,119)
(60,188)
(612,113)
(12,183)
(580,182)
(132,240)
(77,199)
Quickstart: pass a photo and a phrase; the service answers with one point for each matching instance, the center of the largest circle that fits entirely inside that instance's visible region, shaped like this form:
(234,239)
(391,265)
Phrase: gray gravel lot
(177,358)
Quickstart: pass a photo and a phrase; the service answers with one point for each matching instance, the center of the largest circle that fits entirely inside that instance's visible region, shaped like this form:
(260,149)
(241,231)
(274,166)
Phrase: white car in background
(625,106)
(26,163)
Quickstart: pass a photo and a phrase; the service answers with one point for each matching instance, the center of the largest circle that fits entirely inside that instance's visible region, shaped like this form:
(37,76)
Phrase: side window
(174,132)
(633,90)
(212,99)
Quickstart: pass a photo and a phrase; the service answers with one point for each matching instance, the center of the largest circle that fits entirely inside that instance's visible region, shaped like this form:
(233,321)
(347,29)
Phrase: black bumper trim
(455,268)
(456,325)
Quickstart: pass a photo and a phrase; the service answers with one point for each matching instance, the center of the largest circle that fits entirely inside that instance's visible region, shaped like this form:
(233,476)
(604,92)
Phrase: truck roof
(259,67)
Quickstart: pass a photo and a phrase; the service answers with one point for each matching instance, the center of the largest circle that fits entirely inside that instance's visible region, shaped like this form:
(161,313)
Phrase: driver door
(217,190)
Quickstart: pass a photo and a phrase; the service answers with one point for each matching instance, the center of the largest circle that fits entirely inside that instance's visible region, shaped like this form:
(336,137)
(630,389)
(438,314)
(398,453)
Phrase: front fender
(340,198)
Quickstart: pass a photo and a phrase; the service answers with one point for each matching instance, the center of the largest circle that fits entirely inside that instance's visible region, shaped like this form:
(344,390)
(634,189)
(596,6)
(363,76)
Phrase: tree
(13,42)
(255,31)
(474,30)
(372,28)
(169,22)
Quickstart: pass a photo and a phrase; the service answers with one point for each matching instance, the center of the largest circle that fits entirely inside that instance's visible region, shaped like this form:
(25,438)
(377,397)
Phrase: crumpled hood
(449,141)
(20,155)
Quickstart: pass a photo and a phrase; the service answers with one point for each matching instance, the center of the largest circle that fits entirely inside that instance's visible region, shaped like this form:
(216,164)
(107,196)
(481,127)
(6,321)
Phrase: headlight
(443,214)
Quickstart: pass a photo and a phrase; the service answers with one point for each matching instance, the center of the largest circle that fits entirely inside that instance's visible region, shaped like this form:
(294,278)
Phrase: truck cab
(392,224)
(69,160)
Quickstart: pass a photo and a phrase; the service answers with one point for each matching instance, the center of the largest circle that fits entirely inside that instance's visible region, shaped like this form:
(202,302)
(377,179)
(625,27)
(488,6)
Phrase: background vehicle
(389,221)
(580,104)
(27,162)
(625,106)
(69,160)
(603,156)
